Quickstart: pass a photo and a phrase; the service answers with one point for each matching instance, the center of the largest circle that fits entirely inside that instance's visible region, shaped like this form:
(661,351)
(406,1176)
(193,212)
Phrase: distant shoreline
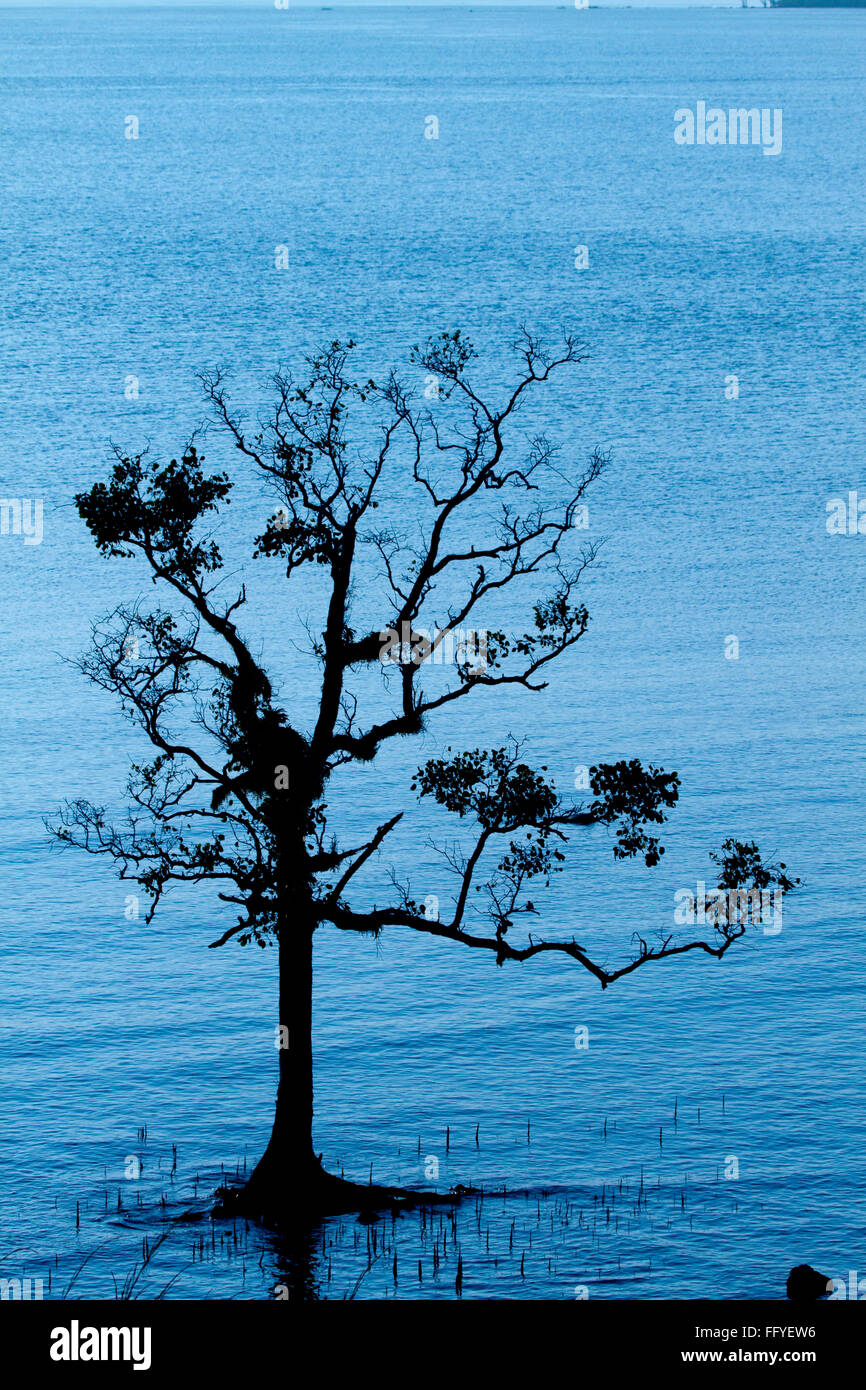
(471,5)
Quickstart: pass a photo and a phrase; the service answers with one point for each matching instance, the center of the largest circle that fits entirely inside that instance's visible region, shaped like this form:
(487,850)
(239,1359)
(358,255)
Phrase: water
(154,258)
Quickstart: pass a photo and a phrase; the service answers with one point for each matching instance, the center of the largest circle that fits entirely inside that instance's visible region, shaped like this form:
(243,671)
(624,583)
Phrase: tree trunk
(293,1120)
(288,1187)
(286,1178)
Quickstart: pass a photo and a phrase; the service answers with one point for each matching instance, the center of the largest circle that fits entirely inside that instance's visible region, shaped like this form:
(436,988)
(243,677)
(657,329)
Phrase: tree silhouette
(236,791)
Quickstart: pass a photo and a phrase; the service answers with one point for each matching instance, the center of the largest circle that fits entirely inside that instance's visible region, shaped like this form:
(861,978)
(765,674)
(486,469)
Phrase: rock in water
(805,1283)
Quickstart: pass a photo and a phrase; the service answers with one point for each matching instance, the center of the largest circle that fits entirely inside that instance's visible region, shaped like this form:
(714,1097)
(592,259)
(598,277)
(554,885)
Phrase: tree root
(282,1201)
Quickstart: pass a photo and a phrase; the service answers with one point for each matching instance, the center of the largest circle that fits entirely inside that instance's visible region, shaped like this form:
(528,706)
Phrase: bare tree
(236,791)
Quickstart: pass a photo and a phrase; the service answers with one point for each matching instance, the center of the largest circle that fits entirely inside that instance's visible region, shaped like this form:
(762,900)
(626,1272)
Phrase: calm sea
(710,1136)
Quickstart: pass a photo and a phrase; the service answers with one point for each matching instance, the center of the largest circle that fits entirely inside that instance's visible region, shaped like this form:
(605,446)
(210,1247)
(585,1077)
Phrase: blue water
(155,258)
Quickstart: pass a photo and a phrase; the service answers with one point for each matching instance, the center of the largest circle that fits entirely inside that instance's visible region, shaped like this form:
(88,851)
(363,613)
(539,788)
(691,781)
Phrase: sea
(191,188)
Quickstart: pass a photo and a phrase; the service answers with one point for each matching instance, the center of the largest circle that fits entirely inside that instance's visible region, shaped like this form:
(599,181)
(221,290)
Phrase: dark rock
(805,1284)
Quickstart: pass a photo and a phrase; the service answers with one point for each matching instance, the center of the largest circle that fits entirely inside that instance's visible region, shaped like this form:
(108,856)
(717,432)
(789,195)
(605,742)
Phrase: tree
(236,791)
